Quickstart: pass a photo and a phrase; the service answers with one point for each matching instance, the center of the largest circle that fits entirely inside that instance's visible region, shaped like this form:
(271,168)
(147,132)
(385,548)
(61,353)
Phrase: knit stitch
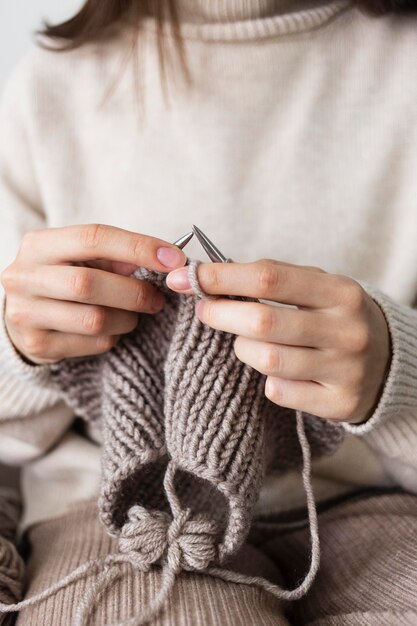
(11,563)
(188,436)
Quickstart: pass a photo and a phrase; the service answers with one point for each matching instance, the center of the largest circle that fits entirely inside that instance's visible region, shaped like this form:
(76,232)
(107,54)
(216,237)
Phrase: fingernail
(199,308)
(158,301)
(170,257)
(179,280)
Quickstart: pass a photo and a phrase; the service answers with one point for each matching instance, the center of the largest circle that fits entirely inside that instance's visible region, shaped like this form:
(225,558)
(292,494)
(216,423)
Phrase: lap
(59,546)
(368,565)
(367,574)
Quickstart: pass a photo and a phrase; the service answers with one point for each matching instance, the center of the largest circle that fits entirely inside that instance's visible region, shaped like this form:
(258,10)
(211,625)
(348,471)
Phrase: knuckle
(94,320)
(263,322)
(272,391)
(237,347)
(9,278)
(209,314)
(346,407)
(91,235)
(81,284)
(209,277)
(106,342)
(357,376)
(353,295)
(137,247)
(358,340)
(35,344)
(141,297)
(28,242)
(132,323)
(269,277)
(271,361)
(15,315)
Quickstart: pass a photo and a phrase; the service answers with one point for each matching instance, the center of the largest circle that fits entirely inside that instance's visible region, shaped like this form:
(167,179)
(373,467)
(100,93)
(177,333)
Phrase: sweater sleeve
(32,416)
(392,428)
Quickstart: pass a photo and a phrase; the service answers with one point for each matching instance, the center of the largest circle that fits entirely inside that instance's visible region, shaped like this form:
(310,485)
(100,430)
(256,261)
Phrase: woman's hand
(328,357)
(69,294)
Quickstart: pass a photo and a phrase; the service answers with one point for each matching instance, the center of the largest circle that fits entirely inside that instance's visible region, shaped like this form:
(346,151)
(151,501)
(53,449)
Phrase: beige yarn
(188,436)
(11,563)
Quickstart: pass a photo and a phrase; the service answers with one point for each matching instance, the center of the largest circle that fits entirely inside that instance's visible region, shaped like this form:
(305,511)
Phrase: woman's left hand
(328,357)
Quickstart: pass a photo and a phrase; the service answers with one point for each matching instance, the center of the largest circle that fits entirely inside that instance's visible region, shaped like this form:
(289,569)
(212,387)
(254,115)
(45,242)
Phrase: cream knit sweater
(297,141)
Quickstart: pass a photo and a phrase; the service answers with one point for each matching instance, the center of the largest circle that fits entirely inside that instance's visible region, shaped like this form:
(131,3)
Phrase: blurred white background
(19,19)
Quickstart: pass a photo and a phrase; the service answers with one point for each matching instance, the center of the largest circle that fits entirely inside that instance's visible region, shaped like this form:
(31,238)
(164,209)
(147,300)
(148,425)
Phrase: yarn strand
(303,587)
(112,563)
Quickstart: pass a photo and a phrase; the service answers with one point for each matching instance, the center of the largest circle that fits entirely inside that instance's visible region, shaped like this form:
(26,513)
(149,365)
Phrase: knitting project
(11,563)
(188,437)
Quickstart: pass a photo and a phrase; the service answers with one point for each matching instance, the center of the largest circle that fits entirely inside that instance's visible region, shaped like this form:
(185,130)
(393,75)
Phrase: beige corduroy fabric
(368,570)
(367,575)
(188,437)
(196,600)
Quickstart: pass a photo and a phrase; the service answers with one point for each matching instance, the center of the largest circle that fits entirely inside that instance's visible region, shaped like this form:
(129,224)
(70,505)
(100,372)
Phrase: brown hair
(96,18)
(96,15)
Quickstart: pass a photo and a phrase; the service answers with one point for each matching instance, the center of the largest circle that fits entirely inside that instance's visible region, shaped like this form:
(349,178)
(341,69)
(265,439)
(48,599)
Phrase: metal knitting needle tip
(182,241)
(213,253)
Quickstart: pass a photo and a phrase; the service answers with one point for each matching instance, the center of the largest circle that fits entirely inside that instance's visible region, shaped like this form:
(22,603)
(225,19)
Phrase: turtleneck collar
(230,20)
(231,11)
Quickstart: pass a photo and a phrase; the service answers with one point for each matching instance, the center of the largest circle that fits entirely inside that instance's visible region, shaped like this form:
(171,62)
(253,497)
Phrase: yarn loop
(154,537)
(175,389)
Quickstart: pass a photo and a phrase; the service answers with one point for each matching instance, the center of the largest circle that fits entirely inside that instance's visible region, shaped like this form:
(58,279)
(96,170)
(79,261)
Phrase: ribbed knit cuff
(399,394)
(22,385)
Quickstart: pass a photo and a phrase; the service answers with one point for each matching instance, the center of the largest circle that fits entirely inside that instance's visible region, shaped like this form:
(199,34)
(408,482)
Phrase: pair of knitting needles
(213,253)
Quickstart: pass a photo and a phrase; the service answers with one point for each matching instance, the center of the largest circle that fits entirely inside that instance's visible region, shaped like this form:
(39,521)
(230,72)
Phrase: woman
(287,130)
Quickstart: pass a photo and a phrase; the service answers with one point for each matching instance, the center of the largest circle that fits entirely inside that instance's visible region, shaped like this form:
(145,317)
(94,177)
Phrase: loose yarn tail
(78,574)
(183,552)
(304,586)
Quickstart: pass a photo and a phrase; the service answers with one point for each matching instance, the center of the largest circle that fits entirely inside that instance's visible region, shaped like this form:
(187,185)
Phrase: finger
(112,266)
(58,346)
(270,323)
(311,397)
(98,241)
(283,361)
(265,279)
(93,286)
(81,319)
(48,346)
(308,396)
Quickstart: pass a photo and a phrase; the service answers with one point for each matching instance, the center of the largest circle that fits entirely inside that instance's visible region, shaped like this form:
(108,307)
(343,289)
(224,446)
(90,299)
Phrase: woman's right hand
(69,293)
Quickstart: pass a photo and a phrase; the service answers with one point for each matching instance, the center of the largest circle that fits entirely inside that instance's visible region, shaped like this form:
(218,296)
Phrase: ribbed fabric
(243,20)
(262,152)
(398,401)
(197,600)
(230,11)
(369,563)
(27,403)
(11,563)
(22,386)
(367,574)
(186,429)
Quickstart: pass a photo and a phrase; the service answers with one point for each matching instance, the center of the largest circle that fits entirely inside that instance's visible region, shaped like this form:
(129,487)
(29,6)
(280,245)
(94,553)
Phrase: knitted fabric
(188,436)
(11,563)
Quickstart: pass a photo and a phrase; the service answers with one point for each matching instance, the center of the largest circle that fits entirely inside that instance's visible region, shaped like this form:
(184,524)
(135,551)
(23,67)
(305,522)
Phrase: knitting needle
(213,253)
(182,241)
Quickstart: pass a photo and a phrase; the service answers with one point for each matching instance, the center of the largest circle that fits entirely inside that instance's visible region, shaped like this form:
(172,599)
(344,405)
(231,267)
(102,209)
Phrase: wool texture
(188,437)
(11,563)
